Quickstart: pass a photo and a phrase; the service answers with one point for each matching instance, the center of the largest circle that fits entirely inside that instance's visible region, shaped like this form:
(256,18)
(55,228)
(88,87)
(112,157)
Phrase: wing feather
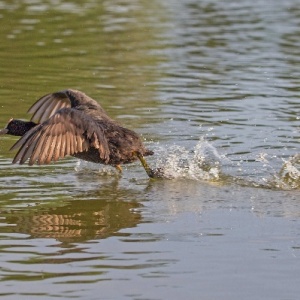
(41,139)
(48,105)
(57,148)
(30,146)
(37,105)
(67,132)
(68,144)
(23,145)
(79,143)
(50,150)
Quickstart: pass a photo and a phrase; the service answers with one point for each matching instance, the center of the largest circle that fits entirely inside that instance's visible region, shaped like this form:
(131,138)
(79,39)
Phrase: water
(213,88)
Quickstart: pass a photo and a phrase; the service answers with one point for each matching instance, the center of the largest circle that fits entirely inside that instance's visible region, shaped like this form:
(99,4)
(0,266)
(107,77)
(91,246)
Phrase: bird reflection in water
(78,221)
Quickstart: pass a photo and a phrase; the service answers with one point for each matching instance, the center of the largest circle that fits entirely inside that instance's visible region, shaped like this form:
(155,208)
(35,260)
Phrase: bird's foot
(150,172)
(156,173)
(119,168)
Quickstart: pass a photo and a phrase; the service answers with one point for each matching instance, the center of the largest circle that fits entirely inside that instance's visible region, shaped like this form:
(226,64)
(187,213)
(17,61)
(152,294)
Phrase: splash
(202,163)
(289,175)
(84,167)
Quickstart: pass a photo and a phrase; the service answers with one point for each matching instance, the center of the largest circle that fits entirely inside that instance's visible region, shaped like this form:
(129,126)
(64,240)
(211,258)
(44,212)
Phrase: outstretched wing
(67,132)
(48,105)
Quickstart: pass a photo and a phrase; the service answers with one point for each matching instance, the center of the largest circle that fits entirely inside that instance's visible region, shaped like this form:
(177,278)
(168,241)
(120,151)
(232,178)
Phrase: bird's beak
(3,131)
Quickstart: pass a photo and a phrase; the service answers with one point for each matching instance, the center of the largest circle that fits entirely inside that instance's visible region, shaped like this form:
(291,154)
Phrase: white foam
(201,163)
(289,174)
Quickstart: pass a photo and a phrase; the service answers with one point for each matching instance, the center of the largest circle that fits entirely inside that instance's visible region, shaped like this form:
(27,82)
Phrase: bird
(70,123)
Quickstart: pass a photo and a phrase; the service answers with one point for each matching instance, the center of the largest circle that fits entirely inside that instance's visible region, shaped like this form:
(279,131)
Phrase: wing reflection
(78,221)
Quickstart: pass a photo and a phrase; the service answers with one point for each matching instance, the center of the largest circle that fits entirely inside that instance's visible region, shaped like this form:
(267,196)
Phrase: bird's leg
(148,170)
(119,168)
(151,173)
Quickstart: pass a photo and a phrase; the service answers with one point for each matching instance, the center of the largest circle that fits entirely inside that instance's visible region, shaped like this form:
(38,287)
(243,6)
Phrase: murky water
(213,87)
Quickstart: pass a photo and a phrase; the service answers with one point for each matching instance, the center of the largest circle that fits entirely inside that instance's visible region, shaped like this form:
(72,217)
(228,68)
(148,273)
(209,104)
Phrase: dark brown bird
(71,123)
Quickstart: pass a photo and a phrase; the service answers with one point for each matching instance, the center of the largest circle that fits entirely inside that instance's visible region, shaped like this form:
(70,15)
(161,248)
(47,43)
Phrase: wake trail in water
(204,163)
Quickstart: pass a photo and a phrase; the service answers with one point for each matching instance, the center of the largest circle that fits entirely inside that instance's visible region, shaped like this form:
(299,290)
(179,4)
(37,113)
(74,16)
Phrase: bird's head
(17,127)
